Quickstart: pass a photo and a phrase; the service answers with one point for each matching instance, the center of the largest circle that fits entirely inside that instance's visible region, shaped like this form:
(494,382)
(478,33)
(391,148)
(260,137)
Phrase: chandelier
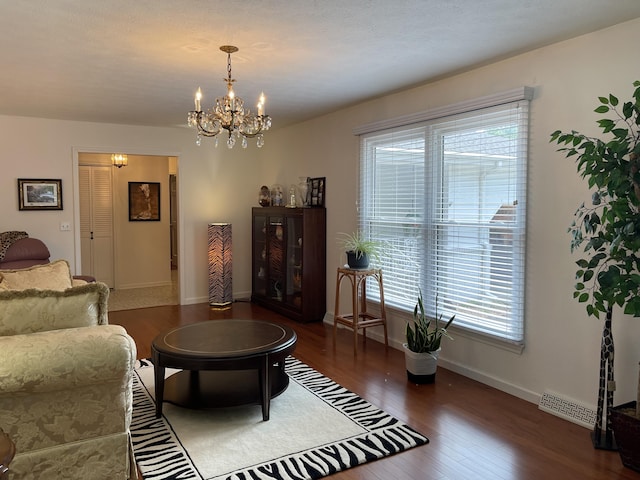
(229,114)
(119,160)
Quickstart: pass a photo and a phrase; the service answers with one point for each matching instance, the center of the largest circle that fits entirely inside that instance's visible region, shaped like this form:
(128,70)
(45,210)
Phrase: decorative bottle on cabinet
(289,261)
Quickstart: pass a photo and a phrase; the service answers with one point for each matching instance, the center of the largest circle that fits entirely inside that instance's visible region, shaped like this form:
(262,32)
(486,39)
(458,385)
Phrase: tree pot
(360,263)
(626,430)
(421,367)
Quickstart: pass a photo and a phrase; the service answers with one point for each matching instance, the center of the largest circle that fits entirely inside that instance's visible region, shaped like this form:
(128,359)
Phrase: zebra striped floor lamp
(220,278)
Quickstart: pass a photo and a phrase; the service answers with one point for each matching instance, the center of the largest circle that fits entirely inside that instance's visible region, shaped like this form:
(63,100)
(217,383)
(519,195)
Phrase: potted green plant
(360,250)
(607,231)
(625,421)
(422,349)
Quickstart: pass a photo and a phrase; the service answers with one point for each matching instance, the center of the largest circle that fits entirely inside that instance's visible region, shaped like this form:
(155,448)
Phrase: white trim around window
(447,194)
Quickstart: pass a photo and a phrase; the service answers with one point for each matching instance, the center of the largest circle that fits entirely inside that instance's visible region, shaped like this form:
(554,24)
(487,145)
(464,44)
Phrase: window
(448,196)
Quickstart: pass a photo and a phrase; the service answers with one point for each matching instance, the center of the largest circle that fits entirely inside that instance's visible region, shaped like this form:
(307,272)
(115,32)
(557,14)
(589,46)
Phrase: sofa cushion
(51,276)
(29,311)
(50,361)
(27,249)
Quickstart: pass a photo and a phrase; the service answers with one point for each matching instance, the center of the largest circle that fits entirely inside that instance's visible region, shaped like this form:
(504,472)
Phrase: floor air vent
(567,409)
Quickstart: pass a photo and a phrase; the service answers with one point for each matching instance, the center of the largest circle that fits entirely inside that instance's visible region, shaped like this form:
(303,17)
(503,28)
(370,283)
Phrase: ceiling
(140,62)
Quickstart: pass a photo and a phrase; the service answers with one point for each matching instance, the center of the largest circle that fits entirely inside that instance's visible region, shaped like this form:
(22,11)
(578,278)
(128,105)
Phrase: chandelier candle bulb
(197,100)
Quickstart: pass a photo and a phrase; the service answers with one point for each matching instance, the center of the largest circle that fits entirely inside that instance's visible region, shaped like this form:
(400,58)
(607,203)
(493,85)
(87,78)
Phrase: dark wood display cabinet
(289,261)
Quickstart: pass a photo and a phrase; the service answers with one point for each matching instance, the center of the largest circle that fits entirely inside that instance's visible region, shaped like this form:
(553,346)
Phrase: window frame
(437,119)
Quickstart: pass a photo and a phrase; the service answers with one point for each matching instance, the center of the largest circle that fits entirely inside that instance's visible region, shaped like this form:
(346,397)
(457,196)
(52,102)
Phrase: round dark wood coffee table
(223,362)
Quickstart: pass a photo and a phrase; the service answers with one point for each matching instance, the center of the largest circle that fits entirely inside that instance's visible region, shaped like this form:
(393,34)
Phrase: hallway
(129,299)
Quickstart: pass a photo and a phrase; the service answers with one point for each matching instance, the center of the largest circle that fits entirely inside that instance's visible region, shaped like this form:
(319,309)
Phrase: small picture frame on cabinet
(317,190)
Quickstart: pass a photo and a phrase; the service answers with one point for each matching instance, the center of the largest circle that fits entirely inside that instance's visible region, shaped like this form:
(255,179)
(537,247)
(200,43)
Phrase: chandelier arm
(206,133)
(202,130)
(251,135)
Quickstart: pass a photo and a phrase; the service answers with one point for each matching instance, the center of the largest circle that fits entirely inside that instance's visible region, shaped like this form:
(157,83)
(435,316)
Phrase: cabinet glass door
(260,254)
(294,261)
(276,256)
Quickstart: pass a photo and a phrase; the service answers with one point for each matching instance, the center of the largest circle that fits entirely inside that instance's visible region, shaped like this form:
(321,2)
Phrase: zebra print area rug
(316,428)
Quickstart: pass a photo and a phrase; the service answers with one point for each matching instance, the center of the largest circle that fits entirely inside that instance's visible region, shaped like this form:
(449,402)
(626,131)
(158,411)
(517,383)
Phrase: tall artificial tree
(607,231)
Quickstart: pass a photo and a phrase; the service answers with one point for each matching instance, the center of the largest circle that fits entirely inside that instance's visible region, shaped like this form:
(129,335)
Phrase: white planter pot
(421,367)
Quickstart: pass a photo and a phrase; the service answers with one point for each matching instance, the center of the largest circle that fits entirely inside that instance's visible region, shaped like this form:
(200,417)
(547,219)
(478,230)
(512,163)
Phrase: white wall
(562,343)
(214,185)
(143,252)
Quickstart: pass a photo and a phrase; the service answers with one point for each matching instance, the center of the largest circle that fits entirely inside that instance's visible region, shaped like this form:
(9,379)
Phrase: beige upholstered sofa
(65,384)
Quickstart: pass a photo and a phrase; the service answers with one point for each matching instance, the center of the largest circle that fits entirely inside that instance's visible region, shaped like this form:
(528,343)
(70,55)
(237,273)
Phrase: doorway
(145,272)
(173,219)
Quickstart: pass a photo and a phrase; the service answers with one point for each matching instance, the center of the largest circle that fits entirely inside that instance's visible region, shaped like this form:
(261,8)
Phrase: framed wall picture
(144,201)
(317,186)
(39,194)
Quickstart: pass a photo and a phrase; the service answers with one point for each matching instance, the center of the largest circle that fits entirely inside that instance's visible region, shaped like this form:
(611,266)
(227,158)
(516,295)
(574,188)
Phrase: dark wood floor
(475,431)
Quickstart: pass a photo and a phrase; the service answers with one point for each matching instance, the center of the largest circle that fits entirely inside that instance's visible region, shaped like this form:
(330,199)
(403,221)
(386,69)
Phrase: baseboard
(494,382)
(195,300)
(481,377)
(131,286)
(548,402)
(242,296)
(237,297)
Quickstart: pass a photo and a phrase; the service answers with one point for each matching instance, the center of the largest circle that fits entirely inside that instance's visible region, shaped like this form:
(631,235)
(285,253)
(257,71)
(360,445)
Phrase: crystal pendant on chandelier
(229,115)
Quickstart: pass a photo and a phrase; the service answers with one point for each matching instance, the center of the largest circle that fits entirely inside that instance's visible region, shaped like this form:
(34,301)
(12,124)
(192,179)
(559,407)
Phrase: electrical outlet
(65,227)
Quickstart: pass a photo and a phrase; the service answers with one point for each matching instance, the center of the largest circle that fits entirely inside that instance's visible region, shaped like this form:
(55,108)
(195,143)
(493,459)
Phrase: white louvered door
(96,223)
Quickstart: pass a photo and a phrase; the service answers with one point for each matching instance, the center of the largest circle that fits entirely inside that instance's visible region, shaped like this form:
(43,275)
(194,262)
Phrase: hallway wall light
(119,160)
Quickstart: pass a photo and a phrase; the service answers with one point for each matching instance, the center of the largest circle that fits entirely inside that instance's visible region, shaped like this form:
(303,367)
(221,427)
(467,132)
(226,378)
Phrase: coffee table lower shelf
(202,389)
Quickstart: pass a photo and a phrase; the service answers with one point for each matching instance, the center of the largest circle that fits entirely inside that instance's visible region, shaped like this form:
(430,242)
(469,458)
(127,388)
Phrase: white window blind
(448,196)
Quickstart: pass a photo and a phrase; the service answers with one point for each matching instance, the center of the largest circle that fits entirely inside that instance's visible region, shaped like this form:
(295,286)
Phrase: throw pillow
(51,276)
(31,310)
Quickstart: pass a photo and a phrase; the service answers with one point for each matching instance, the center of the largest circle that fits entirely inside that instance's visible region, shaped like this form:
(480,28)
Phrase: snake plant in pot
(607,231)
(422,349)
